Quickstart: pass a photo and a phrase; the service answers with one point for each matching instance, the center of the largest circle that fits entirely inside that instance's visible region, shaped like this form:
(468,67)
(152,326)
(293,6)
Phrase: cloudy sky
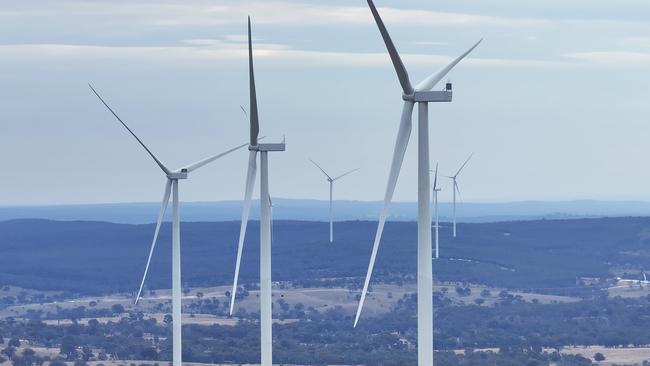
(555,102)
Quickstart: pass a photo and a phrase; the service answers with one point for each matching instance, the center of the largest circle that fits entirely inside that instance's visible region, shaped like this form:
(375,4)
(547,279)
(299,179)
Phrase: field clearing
(629,290)
(613,356)
(380,300)
(195,319)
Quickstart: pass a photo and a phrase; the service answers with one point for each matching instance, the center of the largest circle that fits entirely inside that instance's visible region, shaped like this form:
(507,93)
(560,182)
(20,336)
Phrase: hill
(98,257)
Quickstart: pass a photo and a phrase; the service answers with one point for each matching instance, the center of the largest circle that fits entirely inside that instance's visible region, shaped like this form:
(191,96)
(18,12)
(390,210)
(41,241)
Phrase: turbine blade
(346,173)
(248,196)
(435,178)
(160,164)
(402,74)
(245,113)
(463,166)
(431,81)
(321,169)
(398,157)
(206,161)
(163,208)
(460,198)
(254,117)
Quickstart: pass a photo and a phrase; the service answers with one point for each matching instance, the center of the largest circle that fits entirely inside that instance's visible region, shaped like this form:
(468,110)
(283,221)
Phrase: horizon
(319,200)
(310,210)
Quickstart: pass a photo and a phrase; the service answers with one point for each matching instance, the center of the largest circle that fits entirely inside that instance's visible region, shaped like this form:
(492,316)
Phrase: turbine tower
(423,95)
(171,189)
(454,178)
(266,302)
(436,225)
(331,182)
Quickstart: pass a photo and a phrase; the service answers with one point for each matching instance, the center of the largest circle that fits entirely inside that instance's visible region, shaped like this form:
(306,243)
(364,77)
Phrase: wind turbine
(423,95)
(171,188)
(271,206)
(331,182)
(266,316)
(436,225)
(455,188)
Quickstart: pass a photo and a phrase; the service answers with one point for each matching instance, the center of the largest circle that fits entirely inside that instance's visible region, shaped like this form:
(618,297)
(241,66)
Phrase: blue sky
(554,102)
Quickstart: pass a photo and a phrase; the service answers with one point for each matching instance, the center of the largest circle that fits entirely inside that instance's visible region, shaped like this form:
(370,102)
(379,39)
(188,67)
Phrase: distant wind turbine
(331,183)
(423,95)
(455,188)
(266,301)
(171,188)
(436,225)
(271,206)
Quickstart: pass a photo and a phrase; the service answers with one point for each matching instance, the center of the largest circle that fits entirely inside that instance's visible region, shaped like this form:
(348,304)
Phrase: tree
(599,357)
(168,319)
(14,342)
(57,362)
(69,348)
(87,353)
(118,309)
(9,352)
(28,352)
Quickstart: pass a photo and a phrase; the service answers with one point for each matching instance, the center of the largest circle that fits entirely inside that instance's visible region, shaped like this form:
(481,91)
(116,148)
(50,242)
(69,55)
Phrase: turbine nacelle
(434,96)
(278,146)
(182,174)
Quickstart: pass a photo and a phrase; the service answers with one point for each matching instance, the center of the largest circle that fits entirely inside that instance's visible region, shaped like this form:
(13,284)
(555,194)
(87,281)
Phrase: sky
(554,102)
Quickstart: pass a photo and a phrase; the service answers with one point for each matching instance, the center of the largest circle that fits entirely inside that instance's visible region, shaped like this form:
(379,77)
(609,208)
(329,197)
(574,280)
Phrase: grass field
(380,300)
(613,356)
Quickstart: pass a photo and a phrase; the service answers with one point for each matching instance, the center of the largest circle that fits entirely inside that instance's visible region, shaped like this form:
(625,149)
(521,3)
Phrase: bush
(118,309)
(57,362)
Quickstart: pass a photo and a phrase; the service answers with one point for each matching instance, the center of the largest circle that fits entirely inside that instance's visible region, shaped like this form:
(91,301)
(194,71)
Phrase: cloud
(612,58)
(430,43)
(284,13)
(643,42)
(268,55)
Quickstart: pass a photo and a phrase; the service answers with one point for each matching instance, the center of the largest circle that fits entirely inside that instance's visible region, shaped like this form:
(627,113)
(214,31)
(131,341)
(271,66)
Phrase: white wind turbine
(455,188)
(271,206)
(436,225)
(423,95)
(331,182)
(171,188)
(266,301)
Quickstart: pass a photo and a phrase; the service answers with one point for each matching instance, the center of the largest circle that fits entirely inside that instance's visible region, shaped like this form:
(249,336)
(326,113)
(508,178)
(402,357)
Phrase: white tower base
(425,266)
(266,300)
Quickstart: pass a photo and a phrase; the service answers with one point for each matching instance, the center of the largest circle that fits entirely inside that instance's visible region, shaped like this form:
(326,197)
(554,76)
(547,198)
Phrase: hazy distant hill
(314,210)
(547,255)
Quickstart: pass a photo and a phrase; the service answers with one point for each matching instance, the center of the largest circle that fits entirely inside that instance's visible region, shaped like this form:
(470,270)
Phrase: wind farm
(519,232)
